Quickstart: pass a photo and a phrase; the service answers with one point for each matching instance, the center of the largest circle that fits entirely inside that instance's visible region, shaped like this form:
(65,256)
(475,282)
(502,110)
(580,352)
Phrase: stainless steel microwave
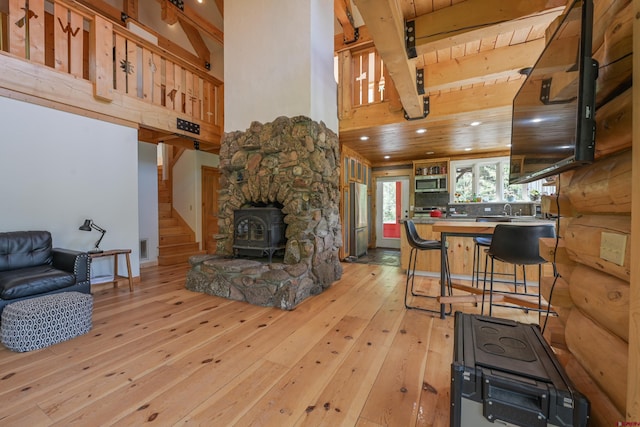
(431,184)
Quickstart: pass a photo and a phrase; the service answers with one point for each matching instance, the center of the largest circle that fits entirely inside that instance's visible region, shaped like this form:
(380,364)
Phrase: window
(389,203)
(487,180)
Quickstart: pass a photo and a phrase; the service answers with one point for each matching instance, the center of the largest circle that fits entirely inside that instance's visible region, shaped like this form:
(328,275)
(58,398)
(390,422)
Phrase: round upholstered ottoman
(40,322)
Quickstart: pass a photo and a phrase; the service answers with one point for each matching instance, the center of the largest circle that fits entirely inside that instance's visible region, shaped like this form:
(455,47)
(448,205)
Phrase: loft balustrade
(127,76)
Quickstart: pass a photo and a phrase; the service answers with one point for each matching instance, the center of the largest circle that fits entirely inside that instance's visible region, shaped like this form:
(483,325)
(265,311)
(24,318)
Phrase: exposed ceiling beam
(196,40)
(364,40)
(479,19)
(386,25)
(220,6)
(342,11)
(171,12)
(482,67)
(155,137)
(104,9)
(131,8)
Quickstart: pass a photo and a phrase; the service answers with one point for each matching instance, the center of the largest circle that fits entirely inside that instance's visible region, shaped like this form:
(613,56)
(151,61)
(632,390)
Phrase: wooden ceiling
(472,53)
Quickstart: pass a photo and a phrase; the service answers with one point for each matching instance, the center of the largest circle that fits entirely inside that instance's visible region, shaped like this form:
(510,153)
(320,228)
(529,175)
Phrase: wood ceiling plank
(480,19)
(473,100)
(386,25)
(481,67)
(522,35)
(408,7)
(504,39)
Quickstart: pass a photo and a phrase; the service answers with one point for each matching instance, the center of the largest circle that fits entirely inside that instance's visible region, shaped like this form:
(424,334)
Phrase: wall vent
(144,254)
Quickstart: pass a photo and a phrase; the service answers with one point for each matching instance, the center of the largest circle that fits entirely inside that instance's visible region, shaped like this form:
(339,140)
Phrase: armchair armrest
(75,262)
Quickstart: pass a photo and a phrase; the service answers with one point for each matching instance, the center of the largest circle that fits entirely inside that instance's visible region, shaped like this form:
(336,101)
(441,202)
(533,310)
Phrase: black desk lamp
(87,226)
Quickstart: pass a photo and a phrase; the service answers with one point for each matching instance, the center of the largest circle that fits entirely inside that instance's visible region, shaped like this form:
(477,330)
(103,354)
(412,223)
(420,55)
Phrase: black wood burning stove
(258,231)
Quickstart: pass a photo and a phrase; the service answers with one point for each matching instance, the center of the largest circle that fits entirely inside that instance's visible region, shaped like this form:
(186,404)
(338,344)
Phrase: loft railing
(369,78)
(71,38)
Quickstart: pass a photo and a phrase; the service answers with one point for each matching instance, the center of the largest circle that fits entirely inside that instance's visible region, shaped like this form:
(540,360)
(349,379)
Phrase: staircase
(177,240)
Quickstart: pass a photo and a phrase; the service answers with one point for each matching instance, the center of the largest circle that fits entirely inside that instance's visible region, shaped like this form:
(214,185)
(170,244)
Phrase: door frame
(381,241)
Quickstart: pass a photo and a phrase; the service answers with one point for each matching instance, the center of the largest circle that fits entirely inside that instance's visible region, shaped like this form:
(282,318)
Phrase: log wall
(595,292)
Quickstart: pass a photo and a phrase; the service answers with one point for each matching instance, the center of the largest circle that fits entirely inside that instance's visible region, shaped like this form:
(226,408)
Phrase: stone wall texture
(293,162)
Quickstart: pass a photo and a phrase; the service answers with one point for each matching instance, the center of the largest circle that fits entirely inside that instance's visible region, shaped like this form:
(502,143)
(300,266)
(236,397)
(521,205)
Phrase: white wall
(324,89)
(57,169)
(187,187)
(281,63)
(148,200)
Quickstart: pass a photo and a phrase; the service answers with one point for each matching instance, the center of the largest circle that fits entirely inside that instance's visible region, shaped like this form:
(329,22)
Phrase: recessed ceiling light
(468,149)
(364,138)
(429,152)
(475,123)
(387,157)
(421,130)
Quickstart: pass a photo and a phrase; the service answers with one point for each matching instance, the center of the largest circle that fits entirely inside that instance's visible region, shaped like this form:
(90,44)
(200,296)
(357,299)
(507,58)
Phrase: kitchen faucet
(504,209)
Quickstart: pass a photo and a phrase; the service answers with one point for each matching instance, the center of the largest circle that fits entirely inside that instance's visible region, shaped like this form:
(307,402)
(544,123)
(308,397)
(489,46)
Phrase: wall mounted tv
(553,126)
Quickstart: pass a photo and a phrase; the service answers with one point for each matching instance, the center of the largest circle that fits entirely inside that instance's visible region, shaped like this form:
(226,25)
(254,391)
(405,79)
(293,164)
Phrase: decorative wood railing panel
(71,38)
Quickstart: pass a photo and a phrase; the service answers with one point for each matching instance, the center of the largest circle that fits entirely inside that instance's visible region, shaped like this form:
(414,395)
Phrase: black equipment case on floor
(505,370)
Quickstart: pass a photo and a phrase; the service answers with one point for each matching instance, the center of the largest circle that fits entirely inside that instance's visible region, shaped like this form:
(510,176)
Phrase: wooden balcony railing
(72,39)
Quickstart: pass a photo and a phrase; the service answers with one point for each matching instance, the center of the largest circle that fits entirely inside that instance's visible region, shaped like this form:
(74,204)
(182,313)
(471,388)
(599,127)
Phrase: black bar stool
(518,245)
(419,244)
(483,242)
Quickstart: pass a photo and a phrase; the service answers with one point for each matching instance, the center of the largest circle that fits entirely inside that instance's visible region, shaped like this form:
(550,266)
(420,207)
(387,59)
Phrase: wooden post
(344,85)
(101,58)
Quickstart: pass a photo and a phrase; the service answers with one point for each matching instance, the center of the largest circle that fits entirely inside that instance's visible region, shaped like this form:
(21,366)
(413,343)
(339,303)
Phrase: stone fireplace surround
(294,162)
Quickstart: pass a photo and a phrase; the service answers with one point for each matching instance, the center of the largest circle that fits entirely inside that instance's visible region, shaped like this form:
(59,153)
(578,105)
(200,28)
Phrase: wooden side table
(115,253)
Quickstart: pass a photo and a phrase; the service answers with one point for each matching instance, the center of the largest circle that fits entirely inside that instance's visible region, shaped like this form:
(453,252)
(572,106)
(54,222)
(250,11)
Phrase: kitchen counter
(514,218)
(460,250)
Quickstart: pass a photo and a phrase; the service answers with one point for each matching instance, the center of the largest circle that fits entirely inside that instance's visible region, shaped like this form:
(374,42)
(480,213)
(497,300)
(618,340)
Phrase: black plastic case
(505,370)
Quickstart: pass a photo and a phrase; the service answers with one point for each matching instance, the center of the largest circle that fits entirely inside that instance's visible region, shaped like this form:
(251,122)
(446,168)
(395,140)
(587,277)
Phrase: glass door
(392,205)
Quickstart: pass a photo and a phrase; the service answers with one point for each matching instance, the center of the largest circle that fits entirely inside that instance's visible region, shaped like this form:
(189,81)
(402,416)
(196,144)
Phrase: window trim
(475,165)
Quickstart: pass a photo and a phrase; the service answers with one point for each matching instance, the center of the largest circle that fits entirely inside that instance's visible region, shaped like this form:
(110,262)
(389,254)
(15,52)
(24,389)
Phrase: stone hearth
(294,162)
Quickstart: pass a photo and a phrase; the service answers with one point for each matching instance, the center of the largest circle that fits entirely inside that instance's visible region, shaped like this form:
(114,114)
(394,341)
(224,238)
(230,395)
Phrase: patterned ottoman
(40,322)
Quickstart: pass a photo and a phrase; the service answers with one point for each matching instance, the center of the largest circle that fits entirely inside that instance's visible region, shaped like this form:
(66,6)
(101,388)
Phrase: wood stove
(258,231)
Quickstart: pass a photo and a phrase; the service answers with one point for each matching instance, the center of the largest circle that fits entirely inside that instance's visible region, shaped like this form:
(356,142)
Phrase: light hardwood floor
(162,355)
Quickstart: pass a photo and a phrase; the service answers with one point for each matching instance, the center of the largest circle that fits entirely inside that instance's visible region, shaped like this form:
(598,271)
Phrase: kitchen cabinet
(426,167)
(431,167)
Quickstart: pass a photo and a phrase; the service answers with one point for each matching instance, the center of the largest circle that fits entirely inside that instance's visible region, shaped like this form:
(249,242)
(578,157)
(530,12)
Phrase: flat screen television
(553,125)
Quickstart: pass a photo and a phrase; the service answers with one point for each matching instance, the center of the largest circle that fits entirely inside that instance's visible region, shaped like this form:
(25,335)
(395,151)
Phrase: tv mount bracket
(545,91)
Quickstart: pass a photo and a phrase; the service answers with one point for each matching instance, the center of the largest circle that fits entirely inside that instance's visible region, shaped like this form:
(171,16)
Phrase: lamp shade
(86,226)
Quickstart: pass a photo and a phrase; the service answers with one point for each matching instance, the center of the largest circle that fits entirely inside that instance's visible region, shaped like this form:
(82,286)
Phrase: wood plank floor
(162,355)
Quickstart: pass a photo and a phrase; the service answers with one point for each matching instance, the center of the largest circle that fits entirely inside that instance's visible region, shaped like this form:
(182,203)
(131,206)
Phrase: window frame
(475,165)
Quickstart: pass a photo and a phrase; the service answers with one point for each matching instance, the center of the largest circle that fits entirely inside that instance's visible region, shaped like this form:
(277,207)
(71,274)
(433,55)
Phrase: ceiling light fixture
(364,138)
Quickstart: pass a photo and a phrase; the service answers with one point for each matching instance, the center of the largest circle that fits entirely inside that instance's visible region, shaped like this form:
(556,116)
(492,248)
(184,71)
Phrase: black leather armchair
(30,267)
